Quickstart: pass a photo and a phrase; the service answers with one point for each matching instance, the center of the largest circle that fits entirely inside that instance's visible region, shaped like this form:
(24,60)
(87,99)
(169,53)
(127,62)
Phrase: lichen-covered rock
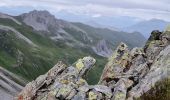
(31,88)
(58,82)
(103,89)
(117,64)
(127,76)
(120,90)
(159,71)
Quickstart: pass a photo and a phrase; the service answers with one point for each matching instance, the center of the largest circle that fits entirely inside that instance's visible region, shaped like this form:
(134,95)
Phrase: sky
(93,9)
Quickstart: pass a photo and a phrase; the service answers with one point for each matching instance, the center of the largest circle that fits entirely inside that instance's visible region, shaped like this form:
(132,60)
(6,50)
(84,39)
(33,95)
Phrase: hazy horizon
(109,13)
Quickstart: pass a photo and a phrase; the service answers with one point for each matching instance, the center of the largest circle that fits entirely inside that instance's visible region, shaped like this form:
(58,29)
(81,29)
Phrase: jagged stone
(31,88)
(156,43)
(80,96)
(120,91)
(136,51)
(159,71)
(64,91)
(117,63)
(72,94)
(126,76)
(63,80)
(103,89)
(92,95)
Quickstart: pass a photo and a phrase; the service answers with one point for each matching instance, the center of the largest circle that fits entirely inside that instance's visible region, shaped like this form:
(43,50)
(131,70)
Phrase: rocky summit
(128,75)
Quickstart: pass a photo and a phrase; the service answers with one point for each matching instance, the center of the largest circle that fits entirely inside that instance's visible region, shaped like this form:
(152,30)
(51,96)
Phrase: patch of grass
(161,91)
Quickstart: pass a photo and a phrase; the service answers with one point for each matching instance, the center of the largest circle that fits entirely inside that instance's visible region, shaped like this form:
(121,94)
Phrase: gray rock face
(46,23)
(127,75)
(50,26)
(39,20)
(159,70)
(102,49)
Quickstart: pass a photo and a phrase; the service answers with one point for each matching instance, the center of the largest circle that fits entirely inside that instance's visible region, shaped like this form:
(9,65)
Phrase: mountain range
(32,42)
(121,23)
(146,27)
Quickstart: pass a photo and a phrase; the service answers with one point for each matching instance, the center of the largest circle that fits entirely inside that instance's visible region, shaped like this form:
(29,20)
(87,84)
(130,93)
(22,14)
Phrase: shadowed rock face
(127,75)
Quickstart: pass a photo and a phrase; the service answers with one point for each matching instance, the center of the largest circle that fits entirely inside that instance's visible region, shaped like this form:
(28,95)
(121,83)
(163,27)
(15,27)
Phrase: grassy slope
(37,60)
(161,91)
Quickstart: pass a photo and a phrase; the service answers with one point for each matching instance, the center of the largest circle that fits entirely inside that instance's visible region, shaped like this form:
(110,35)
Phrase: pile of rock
(127,75)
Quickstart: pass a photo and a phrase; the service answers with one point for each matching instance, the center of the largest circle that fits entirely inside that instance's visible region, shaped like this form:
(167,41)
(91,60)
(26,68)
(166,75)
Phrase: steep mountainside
(113,37)
(137,74)
(58,29)
(30,44)
(29,54)
(102,49)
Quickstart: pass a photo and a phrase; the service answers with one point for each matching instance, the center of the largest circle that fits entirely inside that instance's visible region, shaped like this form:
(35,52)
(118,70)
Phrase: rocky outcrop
(60,82)
(140,68)
(102,49)
(127,75)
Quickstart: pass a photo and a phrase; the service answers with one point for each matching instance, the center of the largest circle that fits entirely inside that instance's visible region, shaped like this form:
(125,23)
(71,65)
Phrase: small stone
(64,91)
(81,82)
(83,88)
(103,89)
(92,96)
(119,96)
(71,95)
(80,96)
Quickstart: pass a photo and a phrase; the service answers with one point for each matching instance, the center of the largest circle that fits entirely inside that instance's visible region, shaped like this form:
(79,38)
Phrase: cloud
(96,15)
(143,9)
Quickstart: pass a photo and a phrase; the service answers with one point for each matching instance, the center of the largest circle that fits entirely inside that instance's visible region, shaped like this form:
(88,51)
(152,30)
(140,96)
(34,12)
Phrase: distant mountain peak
(39,20)
(42,13)
(146,27)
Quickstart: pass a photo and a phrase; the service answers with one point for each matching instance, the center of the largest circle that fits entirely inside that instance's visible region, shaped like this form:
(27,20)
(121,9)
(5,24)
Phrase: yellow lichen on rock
(64,81)
(119,96)
(81,82)
(64,91)
(79,64)
(92,96)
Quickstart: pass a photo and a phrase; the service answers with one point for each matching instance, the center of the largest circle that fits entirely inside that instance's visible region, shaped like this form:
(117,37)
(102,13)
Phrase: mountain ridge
(146,27)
